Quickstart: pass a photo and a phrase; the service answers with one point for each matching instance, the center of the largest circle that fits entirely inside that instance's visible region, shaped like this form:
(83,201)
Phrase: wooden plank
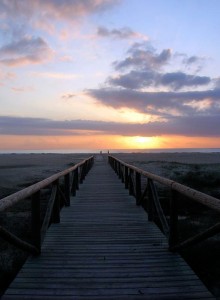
(104,248)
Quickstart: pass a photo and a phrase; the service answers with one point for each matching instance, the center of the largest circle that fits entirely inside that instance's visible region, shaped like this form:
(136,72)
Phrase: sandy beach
(20,170)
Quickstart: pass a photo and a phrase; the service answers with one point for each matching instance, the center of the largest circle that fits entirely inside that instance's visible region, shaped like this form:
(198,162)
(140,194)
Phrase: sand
(20,170)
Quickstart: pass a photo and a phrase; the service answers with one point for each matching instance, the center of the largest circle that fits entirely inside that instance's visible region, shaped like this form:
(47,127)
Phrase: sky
(109,74)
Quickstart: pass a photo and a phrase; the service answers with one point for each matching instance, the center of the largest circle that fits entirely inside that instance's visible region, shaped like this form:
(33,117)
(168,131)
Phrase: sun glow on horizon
(142,142)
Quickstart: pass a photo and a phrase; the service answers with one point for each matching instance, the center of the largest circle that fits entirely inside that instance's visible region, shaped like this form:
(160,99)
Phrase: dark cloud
(134,79)
(122,33)
(155,102)
(217,82)
(141,79)
(177,80)
(192,59)
(145,64)
(208,125)
(141,55)
(24,51)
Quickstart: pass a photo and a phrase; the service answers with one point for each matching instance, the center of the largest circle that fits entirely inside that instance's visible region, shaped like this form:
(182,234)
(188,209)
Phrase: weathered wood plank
(104,248)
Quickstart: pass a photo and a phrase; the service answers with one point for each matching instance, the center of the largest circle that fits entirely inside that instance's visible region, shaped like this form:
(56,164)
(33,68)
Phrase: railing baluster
(67,188)
(126,177)
(150,202)
(76,176)
(122,173)
(56,207)
(81,175)
(138,187)
(36,220)
(119,170)
(131,185)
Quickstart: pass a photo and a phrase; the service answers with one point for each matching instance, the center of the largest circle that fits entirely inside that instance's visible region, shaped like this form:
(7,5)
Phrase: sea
(68,151)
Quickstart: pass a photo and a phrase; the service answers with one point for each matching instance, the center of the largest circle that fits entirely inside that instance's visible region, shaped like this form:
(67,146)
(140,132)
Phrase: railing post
(122,173)
(56,207)
(173,236)
(116,167)
(86,168)
(81,174)
(119,170)
(138,187)
(67,188)
(126,177)
(131,187)
(36,220)
(75,182)
(150,202)
(76,176)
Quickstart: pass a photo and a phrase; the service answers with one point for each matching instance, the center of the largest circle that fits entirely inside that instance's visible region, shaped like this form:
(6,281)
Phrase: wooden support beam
(173,235)
(159,209)
(197,238)
(48,214)
(17,242)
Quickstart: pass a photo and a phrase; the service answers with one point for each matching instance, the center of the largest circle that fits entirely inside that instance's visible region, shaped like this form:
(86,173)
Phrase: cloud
(142,79)
(133,79)
(22,89)
(177,80)
(192,59)
(68,96)
(42,13)
(56,75)
(142,56)
(158,103)
(185,126)
(28,50)
(122,33)
(5,76)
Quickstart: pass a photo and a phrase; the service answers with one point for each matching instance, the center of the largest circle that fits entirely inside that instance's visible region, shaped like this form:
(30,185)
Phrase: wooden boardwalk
(104,248)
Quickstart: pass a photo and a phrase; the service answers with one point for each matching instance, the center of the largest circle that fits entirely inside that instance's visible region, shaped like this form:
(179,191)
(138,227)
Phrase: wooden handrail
(200,197)
(53,209)
(132,182)
(32,189)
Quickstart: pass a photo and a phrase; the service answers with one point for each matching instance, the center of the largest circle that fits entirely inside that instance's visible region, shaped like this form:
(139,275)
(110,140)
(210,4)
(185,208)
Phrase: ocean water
(170,150)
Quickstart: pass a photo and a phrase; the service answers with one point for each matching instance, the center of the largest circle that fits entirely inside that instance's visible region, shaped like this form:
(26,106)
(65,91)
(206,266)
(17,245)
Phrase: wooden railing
(148,197)
(71,177)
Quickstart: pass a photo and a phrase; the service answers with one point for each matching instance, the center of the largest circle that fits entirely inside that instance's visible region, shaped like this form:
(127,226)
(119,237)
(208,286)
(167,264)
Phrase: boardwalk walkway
(104,248)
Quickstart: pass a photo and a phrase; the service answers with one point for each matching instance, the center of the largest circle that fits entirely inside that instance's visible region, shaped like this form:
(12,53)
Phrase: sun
(142,142)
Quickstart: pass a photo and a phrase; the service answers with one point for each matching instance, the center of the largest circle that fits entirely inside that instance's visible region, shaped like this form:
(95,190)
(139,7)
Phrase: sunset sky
(109,74)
